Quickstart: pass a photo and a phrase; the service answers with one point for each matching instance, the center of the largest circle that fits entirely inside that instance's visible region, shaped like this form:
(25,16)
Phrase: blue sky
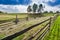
(21,5)
(15,2)
(55,3)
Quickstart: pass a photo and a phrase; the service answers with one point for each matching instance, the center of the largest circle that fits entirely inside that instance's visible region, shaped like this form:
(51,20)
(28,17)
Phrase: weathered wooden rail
(27,29)
(38,32)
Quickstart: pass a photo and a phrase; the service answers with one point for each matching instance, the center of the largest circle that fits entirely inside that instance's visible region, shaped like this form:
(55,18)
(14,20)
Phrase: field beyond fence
(44,30)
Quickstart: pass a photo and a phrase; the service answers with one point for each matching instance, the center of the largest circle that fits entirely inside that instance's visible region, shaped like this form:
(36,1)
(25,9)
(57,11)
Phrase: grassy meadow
(10,17)
(22,15)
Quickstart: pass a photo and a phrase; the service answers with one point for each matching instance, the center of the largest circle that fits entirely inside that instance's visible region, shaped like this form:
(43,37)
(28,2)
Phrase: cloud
(13,8)
(22,7)
(8,8)
(50,8)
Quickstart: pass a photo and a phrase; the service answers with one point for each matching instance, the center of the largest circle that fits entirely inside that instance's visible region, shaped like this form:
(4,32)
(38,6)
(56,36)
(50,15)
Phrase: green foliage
(1,12)
(57,12)
(29,9)
(45,11)
(51,11)
(35,6)
(35,15)
(40,8)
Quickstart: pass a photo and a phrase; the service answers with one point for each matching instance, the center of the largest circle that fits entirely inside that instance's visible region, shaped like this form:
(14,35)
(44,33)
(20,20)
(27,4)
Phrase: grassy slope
(55,31)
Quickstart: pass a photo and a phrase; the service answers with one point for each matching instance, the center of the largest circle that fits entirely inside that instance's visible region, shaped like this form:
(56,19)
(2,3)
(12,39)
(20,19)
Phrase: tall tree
(35,6)
(29,9)
(40,8)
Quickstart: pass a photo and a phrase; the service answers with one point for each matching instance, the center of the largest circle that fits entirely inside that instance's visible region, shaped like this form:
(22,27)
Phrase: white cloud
(50,8)
(22,8)
(13,8)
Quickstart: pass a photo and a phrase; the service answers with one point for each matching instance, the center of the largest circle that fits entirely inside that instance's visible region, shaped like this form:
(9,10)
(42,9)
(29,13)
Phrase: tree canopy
(35,8)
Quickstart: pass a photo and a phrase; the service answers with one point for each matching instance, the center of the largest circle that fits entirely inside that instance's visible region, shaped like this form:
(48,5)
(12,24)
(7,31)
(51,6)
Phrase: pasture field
(21,26)
(54,33)
(10,17)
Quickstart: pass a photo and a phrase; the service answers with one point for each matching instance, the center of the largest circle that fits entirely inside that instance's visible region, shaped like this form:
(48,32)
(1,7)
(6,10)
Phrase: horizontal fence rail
(38,32)
(42,35)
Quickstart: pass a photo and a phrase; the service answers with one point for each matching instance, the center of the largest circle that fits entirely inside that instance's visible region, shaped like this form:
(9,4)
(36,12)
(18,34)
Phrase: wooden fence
(46,27)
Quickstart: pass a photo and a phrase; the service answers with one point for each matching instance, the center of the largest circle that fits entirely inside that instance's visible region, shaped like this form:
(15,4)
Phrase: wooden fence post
(50,23)
(27,19)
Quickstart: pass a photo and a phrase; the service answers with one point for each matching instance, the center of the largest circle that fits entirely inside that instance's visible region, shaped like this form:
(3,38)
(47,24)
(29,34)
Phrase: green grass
(18,38)
(2,36)
(22,15)
(54,33)
(48,14)
(10,17)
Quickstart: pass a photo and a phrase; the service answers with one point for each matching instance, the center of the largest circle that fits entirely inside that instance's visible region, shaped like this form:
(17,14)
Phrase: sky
(20,6)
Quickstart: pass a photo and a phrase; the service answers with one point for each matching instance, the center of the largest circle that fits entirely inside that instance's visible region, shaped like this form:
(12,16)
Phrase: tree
(35,6)
(29,9)
(51,11)
(1,12)
(57,12)
(45,11)
(40,8)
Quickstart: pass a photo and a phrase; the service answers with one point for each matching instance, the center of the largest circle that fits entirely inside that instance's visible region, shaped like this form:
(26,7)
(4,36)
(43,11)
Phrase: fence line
(22,32)
(42,35)
(27,29)
(38,32)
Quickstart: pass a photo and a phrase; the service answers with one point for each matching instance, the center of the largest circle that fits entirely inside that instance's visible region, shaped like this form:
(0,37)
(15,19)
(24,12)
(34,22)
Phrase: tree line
(35,8)
(38,8)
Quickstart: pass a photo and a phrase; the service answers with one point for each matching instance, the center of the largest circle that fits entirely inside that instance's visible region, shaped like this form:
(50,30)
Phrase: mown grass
(30,32)
(1,36)
(10,17)
(48,14)
(19,37)
(54,33)
(22,15)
